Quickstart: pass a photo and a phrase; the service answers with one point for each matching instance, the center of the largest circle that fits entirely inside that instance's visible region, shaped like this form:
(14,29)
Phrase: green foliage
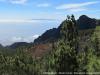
(66,55)
(19,64)
(69,46)
(63,57)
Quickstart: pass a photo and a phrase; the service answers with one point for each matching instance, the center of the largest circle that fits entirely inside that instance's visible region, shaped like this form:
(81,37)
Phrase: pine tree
(71,40)
(65,53)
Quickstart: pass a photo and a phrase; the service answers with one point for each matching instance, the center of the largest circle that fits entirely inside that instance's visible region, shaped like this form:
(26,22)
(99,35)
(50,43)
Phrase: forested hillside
(66,50)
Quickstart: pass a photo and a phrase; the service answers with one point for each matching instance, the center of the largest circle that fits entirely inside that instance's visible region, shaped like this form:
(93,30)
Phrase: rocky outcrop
(84,22)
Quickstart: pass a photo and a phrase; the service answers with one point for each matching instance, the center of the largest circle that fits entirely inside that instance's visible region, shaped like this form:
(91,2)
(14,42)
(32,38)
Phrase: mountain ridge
(43,44)
(84,22)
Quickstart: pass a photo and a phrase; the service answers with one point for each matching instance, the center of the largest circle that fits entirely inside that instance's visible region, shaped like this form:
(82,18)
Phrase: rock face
(40,50)
(85,22)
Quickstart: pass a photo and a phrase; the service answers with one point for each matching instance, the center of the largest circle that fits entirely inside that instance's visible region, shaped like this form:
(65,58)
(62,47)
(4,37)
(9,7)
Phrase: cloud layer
(17,21)
(18,1)
(24,39)
(43,5)
(15,1)
(75,7)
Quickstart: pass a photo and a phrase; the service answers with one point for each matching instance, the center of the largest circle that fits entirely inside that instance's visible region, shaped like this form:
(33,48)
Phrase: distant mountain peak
(18,44)
(83,17)
(84,22)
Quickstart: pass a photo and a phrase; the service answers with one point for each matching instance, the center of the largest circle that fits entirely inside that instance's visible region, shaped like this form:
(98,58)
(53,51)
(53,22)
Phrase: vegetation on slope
(67,55)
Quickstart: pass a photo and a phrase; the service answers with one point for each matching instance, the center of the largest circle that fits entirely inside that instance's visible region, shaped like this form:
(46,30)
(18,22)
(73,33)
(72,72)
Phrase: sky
(25,20)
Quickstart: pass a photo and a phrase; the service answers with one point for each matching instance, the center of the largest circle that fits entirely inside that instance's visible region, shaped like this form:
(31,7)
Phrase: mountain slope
(84,22)
(43,44)
(49,36)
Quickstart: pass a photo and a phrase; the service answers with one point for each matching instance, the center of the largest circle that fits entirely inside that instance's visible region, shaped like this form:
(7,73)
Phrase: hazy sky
(24,20)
